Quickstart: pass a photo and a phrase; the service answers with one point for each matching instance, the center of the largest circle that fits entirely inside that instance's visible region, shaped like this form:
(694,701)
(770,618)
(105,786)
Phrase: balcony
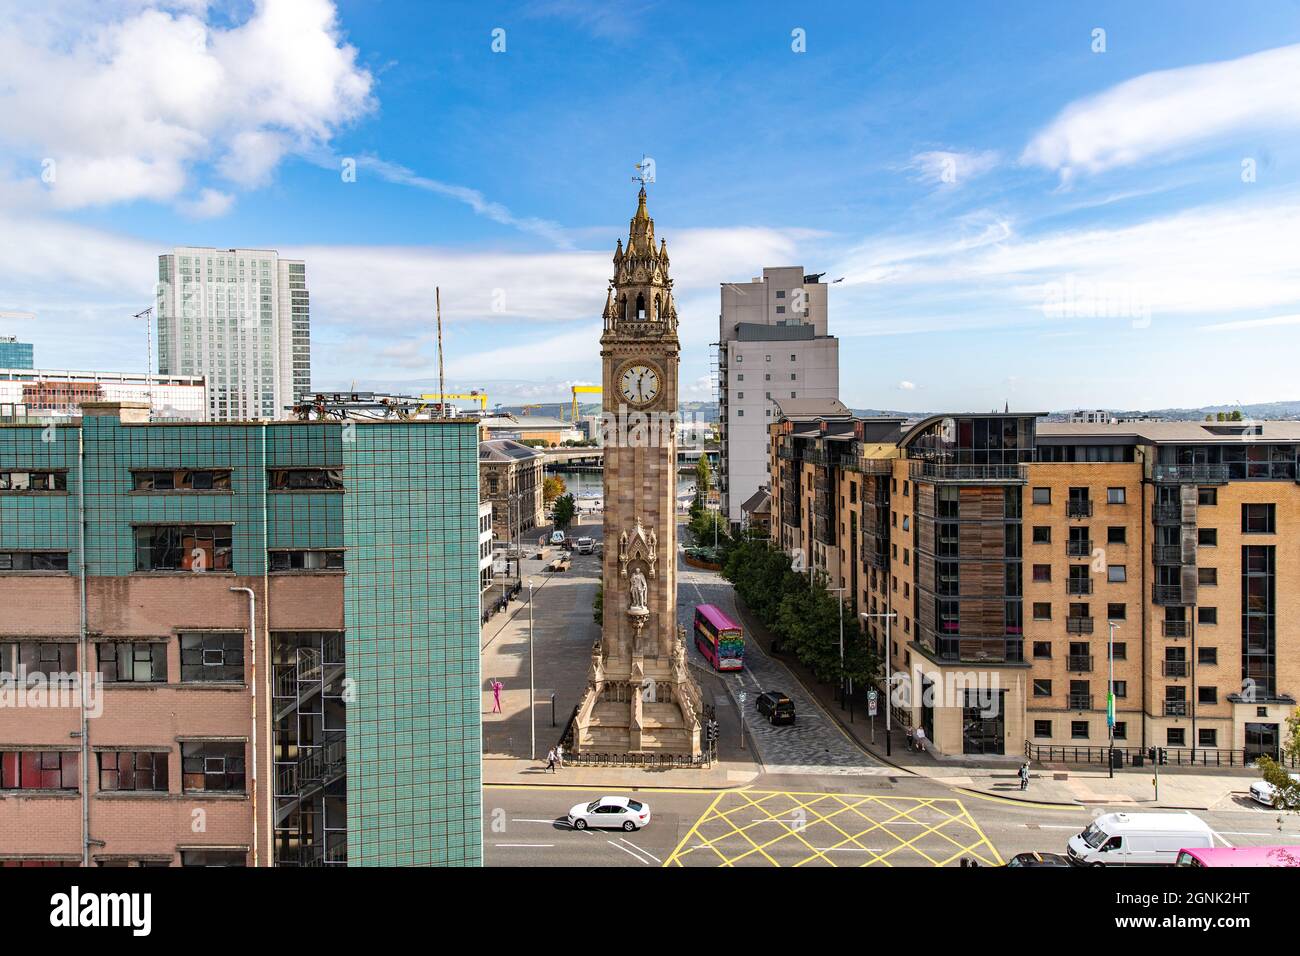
(1175,668)
(1175,708)
(1167,553)
(992,474)
(1078,625)
(1165,594)
(1080,702)
(1079,548)
(1175,628)
(1167,514)
(1190,474)
(1078,509)
(1078,586)
(1079,663)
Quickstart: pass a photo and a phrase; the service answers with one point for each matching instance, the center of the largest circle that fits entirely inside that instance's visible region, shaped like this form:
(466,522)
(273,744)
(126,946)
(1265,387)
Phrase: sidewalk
(1051,783)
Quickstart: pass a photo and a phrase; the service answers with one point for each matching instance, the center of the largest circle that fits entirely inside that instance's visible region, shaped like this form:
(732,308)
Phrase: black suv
(776,707)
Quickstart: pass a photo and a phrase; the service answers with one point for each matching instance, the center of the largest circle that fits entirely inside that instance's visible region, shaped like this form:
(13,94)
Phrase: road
(800,820)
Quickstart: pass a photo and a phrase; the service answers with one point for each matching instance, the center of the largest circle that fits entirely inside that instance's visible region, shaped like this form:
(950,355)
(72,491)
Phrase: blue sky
(1022,209)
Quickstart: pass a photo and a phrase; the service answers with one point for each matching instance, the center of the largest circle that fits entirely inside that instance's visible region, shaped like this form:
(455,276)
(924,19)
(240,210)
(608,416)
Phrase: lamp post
(1110,695)
(889,678)
(532,710)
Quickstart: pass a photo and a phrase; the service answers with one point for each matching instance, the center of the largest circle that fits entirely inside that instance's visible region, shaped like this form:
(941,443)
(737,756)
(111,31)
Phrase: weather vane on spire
(645,171)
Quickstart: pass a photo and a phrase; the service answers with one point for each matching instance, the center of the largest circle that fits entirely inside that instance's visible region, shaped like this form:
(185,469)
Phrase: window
(1257,519)
(1116,612)
(34,481)
(1207,655)
(1121,730)
(11,561)
(133,770)
(1207,537)
(1042,687)
(47,658)
(1079,729)
(1042,534)
(306,479)
(1042,572)
(1121,688)
(1175,737)
(1116,573)
(1207,615)
(212,657)
(1207,695)
(1042,496)
(174,547)
(1207,737)
(129,662)
(182,479)
(1207,577)
(1115,496)
(212,766)
(1207,496)
(38,769)
(1042,610)
(1042,650)
(214,858)
(1042,728)
(1116,534)
(306,560)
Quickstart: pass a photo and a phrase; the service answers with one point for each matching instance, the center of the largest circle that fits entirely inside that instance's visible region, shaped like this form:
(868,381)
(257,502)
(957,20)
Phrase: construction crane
(585,389)
(528,409)
(474,396)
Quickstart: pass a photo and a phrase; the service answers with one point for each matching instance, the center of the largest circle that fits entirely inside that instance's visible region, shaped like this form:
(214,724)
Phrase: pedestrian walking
(911,738)
(920,739)
(497,687)
(559,756)
(1024,775)
(550,760)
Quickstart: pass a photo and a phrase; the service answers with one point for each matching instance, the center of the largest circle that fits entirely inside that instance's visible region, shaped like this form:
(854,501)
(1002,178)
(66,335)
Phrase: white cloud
(209,204)
(128,100)
(1270,322)
(1169,110)
(952,168)
(906,386)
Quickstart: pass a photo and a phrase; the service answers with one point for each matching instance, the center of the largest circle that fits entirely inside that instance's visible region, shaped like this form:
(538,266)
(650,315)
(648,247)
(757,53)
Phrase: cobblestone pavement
(814,744)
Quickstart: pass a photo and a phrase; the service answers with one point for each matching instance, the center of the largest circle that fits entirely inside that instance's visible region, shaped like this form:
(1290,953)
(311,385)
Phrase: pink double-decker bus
(719,638)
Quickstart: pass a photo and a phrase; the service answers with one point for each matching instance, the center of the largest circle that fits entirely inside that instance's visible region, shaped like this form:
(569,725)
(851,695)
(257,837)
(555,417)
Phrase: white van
(1139,839)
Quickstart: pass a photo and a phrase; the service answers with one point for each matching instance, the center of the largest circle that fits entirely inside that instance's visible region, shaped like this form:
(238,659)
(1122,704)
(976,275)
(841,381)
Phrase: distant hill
(1262,411)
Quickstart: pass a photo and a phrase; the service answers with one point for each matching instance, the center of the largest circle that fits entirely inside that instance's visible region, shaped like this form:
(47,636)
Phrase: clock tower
(641,698)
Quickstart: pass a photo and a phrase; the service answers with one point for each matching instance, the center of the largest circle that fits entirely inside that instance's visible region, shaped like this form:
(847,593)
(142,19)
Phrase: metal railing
(1167,594)
(1078,509)
(1167,513)
(1076,548)
(1176,756)
(1079,663)
(1175,668)
(1176,628)
(1080,702)
(935,471)
(1167,553)
(1079,625)
(1191,474)
(1175,708)
(652,761)
(1078,586)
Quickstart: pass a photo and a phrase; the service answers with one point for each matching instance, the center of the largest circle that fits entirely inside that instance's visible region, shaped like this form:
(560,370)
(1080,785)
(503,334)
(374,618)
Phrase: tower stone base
(636,704)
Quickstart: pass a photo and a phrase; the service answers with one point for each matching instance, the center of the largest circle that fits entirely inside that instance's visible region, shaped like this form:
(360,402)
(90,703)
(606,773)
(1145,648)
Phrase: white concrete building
(46,393)
(773,344)
(1091,416)
(241,319)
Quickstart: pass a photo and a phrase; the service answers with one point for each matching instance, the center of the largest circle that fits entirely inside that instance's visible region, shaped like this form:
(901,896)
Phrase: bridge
(560,459)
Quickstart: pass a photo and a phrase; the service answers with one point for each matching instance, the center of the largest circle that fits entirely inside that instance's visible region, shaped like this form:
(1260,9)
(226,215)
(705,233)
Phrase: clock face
(639,384)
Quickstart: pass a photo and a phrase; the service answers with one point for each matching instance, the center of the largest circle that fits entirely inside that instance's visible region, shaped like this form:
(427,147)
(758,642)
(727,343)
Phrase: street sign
(871,703)
(1110,710)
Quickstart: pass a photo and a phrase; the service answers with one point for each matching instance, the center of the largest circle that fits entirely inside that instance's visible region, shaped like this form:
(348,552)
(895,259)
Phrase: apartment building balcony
(816,456)
(1167,514)
(1078,586)
(1078,509)
(975,650)
(867,466)
(1175,708)
(1167,553)
(1175,668)
(1176,628)
(786,450)
(1190,474)
(1079,663)
(1167,594)
(990,474)
(1079,625)
(1080,702)
(1077,548)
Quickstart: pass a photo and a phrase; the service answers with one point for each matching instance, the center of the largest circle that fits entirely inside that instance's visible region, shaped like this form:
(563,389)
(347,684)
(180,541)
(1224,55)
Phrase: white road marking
(530,820)
(519,845)
(634,856)
(1221,837)
(642,850)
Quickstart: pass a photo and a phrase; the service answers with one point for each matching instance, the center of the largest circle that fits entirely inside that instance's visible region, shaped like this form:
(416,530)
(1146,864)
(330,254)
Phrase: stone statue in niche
(640,591)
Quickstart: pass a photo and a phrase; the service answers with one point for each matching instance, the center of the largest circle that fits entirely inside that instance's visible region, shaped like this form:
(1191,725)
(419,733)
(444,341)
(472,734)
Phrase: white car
(586,546)
(1261,791)
(610,813)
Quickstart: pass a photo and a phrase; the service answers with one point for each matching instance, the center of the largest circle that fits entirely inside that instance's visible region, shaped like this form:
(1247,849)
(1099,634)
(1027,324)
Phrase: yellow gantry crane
(474,396)
(585,389)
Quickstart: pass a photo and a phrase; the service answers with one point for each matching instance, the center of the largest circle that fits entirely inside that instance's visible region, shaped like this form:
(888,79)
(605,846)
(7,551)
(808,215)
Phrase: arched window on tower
(640,306)
(622,306)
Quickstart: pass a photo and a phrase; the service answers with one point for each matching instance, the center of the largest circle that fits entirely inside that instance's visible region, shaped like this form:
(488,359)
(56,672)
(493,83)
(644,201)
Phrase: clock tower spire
(640,699)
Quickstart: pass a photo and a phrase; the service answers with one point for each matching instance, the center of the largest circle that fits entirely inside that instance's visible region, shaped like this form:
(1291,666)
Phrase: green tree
(565,511)
(1286,791)
(598,605)
(703,476)
(552,487)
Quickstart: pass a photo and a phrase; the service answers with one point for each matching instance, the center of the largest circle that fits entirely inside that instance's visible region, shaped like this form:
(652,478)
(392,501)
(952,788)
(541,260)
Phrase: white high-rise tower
(241,318)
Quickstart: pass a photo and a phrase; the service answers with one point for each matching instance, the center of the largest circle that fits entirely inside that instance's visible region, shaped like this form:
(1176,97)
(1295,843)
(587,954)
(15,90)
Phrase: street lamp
(1110,696)
(889,678)
(532,710)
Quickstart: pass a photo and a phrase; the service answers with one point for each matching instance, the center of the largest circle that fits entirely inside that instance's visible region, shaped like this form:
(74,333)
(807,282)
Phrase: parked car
(557,537)
(1261,791)
(1034,858)
(610,813)
(586,545)
(1139,839)
(775,706)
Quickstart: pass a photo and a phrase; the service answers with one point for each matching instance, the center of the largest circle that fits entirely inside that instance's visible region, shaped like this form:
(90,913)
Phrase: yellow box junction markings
(725,836)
